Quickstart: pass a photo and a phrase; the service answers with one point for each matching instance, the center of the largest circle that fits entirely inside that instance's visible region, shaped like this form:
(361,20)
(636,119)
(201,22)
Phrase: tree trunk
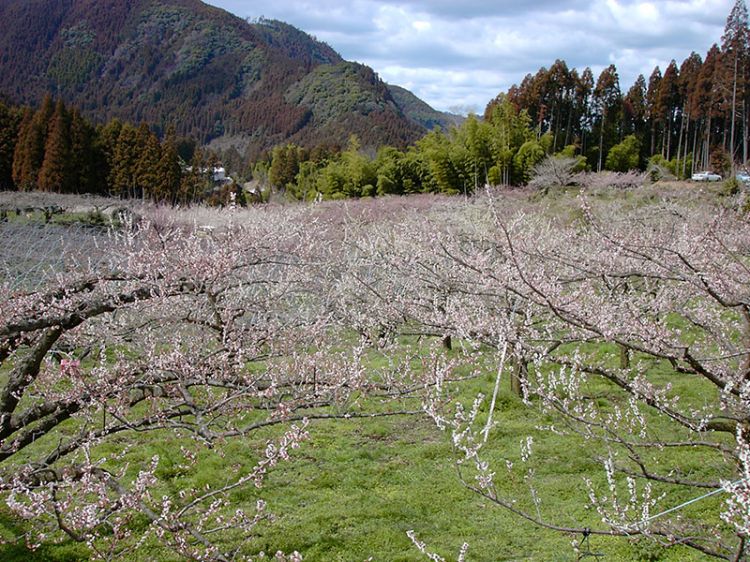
(697,144)
(746,337)
(669,137)
(518,375)
(653,136)
(447,342)
(744,134)
(601,145)
(734,110)
(624,357)
(679,143)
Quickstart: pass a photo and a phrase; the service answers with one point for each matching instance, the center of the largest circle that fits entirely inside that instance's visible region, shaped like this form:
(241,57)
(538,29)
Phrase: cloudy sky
(458,54)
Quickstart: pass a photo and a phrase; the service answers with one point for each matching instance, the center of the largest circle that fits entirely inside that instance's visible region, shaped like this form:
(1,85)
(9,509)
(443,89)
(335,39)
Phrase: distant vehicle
(743,177)
(706,176)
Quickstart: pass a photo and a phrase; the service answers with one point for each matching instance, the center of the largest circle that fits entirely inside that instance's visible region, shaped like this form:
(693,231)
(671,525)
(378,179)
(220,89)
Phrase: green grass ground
(355,488)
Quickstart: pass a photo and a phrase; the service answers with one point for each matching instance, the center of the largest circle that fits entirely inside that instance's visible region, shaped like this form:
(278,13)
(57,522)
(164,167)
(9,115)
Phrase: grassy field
(358,485)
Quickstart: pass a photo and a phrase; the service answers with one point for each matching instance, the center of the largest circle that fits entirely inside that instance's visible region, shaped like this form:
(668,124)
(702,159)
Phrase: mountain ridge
(212,74)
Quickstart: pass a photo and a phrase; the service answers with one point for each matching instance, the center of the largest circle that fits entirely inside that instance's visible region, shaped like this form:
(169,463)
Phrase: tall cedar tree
(107,137)
(707,105)
(169,174)
(147,164)
(634,108)
(652,107)
(55,174)
(734,76)
(608,109)
(29,152)
(667,104)
(22,167)
(124,163)
(689,70)
(87,161)
(10,121)
(584,89)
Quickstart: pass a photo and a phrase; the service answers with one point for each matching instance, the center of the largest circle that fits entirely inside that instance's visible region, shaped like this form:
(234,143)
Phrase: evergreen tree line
(55,149)
(694,115)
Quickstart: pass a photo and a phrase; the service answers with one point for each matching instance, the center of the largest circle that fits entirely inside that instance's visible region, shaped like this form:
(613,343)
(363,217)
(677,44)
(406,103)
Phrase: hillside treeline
(55,149)
(209,73)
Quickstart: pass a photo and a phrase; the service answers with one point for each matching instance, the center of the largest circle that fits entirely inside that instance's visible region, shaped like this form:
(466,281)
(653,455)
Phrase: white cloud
(462,54)
(421,26)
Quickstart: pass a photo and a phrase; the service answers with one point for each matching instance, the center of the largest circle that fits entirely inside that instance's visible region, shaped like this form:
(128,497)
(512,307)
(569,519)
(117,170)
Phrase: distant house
(253,192)
(219,175)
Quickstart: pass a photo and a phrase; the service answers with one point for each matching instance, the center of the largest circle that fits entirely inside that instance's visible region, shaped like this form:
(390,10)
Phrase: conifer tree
(29,152)
(689,70)
(106,139)
(735,49)
(149,154)
(10,120)
(55,172)
(21,169)
(560,85)
(169,173)
(652,106)
(667,104)
(584,88)
(706,105)
(635,108)
(85,159)
(607,100)
(124,162)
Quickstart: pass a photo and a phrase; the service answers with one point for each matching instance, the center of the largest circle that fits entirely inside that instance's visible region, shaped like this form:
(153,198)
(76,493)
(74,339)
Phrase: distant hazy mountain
(214,75)
(421,113)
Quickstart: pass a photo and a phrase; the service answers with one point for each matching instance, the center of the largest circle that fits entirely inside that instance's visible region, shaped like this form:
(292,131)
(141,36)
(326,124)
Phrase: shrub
(624,156)
(554,171)
(604,180)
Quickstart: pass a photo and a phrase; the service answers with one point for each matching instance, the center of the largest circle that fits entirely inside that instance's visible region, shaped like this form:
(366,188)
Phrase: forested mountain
(184,63)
